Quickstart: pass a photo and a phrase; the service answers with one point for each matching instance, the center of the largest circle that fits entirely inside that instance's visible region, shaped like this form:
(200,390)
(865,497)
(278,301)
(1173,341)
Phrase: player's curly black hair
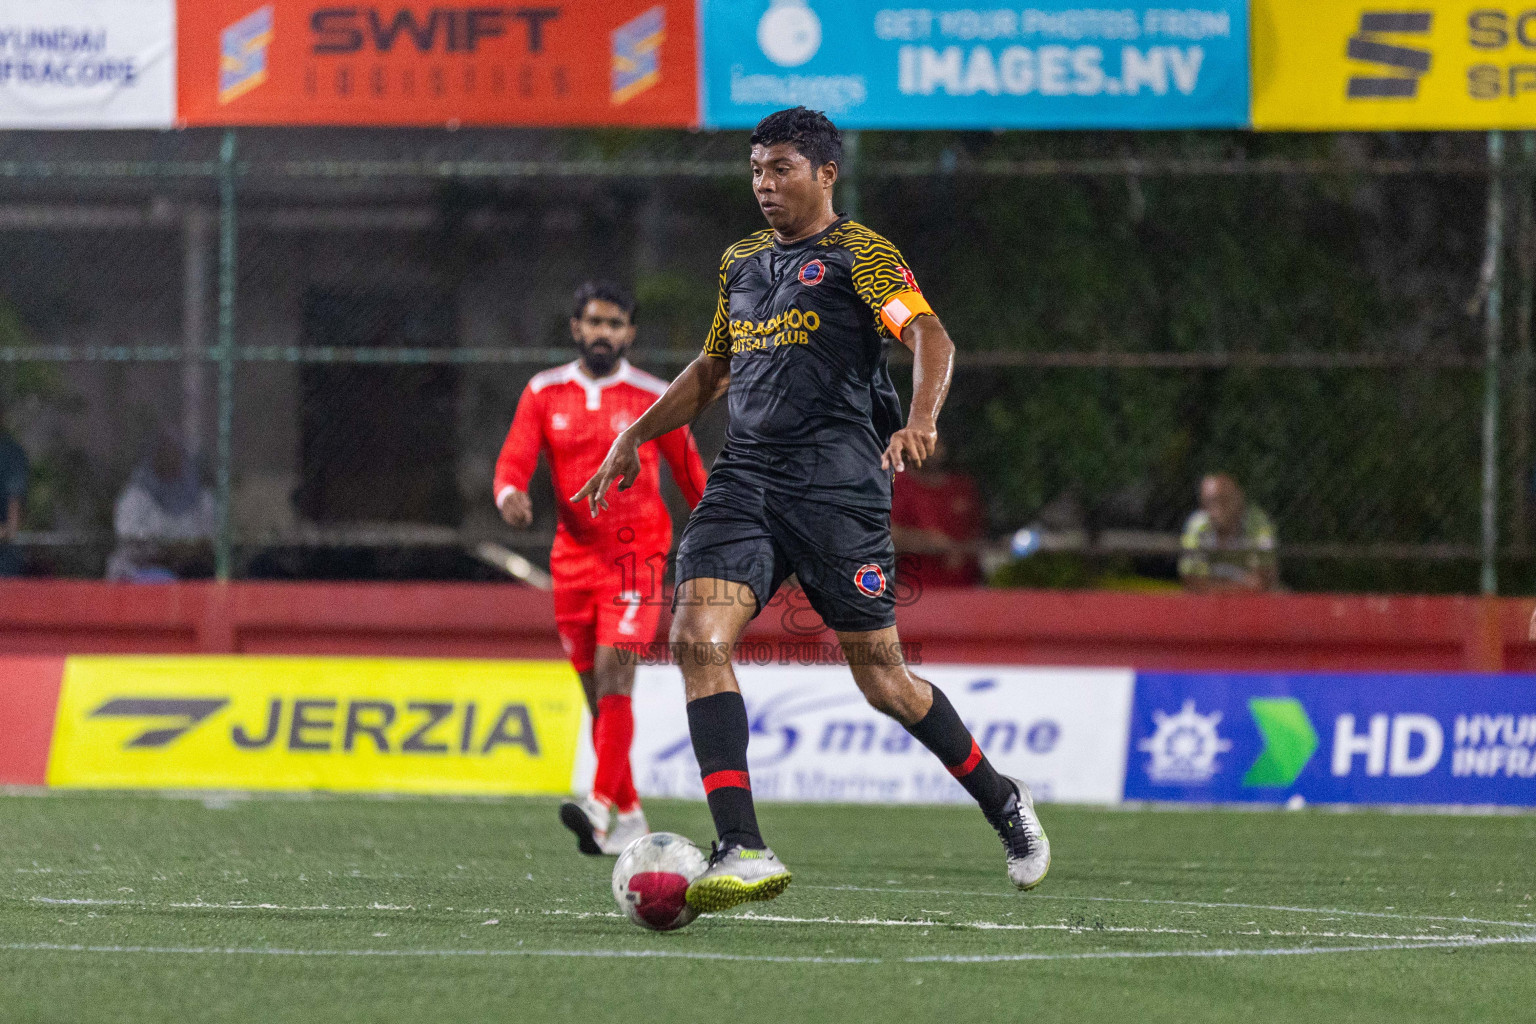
(809,131)
(607,291)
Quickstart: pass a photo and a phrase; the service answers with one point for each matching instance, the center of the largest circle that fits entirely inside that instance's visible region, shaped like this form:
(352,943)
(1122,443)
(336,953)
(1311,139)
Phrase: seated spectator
(165,520)
(1228,544)
(936,523)
(13,493)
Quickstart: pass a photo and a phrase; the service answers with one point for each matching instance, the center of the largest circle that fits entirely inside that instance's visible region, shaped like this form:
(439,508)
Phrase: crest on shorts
(813,273)
(870,580)
(911,279)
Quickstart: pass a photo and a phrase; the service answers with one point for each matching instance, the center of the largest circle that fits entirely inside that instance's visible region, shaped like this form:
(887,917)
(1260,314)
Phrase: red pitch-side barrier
(1251,632)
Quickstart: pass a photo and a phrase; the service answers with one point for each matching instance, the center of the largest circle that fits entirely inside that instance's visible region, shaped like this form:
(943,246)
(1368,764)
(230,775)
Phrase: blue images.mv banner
(1052,64)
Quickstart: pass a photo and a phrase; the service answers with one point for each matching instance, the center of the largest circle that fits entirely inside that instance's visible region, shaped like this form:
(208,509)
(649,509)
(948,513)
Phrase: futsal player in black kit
(807,311)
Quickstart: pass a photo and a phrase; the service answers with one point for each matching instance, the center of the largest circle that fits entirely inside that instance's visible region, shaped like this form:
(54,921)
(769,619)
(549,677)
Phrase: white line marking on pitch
(201,905)
(1174,903)
(870,922)
(880,922)
(659,954)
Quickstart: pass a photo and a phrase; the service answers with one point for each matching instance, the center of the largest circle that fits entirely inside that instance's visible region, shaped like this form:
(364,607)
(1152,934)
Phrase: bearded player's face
(791,193)
(604,333)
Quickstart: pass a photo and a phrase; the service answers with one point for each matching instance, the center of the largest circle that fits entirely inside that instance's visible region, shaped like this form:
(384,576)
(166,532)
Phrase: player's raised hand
(913,442)
(622,464)
(517,509)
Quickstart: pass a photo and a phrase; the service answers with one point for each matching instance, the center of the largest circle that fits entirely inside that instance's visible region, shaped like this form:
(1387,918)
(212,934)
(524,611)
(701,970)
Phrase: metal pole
(194,329)
(850,176)
(225,352)
(1493,335)
(1520,382)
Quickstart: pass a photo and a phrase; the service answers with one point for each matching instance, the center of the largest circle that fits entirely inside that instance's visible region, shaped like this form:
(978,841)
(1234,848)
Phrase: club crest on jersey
(910,278)
(813,273)
(870,580)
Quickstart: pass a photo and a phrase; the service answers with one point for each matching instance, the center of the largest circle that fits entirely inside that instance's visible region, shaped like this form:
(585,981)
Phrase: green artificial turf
(130,908)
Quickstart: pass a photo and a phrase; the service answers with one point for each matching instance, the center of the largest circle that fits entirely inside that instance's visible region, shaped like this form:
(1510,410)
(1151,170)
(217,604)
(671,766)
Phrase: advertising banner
(814,738)
(1357,739)
(1366,65)
(1051,64)
(358,724)
(87,64)
(409,62)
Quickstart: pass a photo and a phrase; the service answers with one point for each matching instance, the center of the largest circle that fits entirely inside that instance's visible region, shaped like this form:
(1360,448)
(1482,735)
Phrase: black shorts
(842,555)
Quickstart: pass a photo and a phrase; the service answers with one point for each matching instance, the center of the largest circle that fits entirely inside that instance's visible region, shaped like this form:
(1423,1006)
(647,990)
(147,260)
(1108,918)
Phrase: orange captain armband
(901,309)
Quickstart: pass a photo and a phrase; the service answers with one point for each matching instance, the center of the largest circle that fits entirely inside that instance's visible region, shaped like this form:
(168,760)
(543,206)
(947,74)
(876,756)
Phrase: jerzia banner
(408,62)
(361,724)
(1051,64)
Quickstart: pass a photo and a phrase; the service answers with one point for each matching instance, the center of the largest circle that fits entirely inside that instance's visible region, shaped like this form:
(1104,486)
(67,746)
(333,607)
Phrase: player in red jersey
(607,572)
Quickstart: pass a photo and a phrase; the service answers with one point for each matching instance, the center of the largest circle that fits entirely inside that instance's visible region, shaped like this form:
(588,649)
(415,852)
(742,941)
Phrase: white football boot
(626,829)
(588,818)
(1024,841)
(736,875)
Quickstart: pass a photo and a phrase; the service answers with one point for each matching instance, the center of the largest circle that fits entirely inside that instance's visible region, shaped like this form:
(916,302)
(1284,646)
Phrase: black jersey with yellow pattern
(807,328)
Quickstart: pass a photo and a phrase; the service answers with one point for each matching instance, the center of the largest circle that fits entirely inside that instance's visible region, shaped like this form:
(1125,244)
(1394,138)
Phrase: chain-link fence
(336,327)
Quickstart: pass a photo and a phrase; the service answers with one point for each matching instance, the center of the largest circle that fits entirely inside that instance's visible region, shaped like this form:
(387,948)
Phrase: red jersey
(574,419)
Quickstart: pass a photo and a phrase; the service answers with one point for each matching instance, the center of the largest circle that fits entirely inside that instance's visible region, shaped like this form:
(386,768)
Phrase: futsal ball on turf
(651,880)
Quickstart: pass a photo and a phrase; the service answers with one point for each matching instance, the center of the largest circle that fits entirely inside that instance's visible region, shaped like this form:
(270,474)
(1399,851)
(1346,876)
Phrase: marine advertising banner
(814,738)
(1365,65)
(87,63)
(413,62)
(1334,738)
(1051,64)
(347,724)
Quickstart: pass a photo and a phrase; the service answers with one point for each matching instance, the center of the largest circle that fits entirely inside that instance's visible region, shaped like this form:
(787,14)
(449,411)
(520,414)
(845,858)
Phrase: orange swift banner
(406,62)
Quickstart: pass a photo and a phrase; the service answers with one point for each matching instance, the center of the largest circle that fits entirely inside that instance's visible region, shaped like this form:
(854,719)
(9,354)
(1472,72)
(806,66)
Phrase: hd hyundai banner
(1338,739)
(87,64)
(1051,64)
(409,62)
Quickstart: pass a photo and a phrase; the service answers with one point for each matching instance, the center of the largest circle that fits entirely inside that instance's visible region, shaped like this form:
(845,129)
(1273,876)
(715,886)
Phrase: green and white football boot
(1024,842)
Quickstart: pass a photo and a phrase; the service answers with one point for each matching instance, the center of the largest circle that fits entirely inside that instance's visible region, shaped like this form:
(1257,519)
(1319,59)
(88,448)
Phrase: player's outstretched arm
(933,362)
(694,390)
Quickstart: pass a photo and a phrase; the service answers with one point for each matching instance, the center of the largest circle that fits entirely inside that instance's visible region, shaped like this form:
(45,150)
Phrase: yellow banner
(357,724)
(1370,64)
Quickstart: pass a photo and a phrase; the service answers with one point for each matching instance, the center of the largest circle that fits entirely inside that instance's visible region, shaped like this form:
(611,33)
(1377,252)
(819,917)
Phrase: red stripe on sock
(715,780)
(967,766)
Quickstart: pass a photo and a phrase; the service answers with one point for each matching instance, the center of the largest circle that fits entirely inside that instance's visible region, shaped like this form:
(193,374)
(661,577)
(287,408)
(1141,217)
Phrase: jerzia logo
(339,726)
(190,712)
(1407,64)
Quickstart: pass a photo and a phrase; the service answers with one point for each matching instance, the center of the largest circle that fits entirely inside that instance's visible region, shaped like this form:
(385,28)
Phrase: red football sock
(612,735)
(629,799)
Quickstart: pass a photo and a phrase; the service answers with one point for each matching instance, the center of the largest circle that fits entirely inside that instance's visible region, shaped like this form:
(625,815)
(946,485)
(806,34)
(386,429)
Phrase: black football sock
(942,732)
(719,729)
